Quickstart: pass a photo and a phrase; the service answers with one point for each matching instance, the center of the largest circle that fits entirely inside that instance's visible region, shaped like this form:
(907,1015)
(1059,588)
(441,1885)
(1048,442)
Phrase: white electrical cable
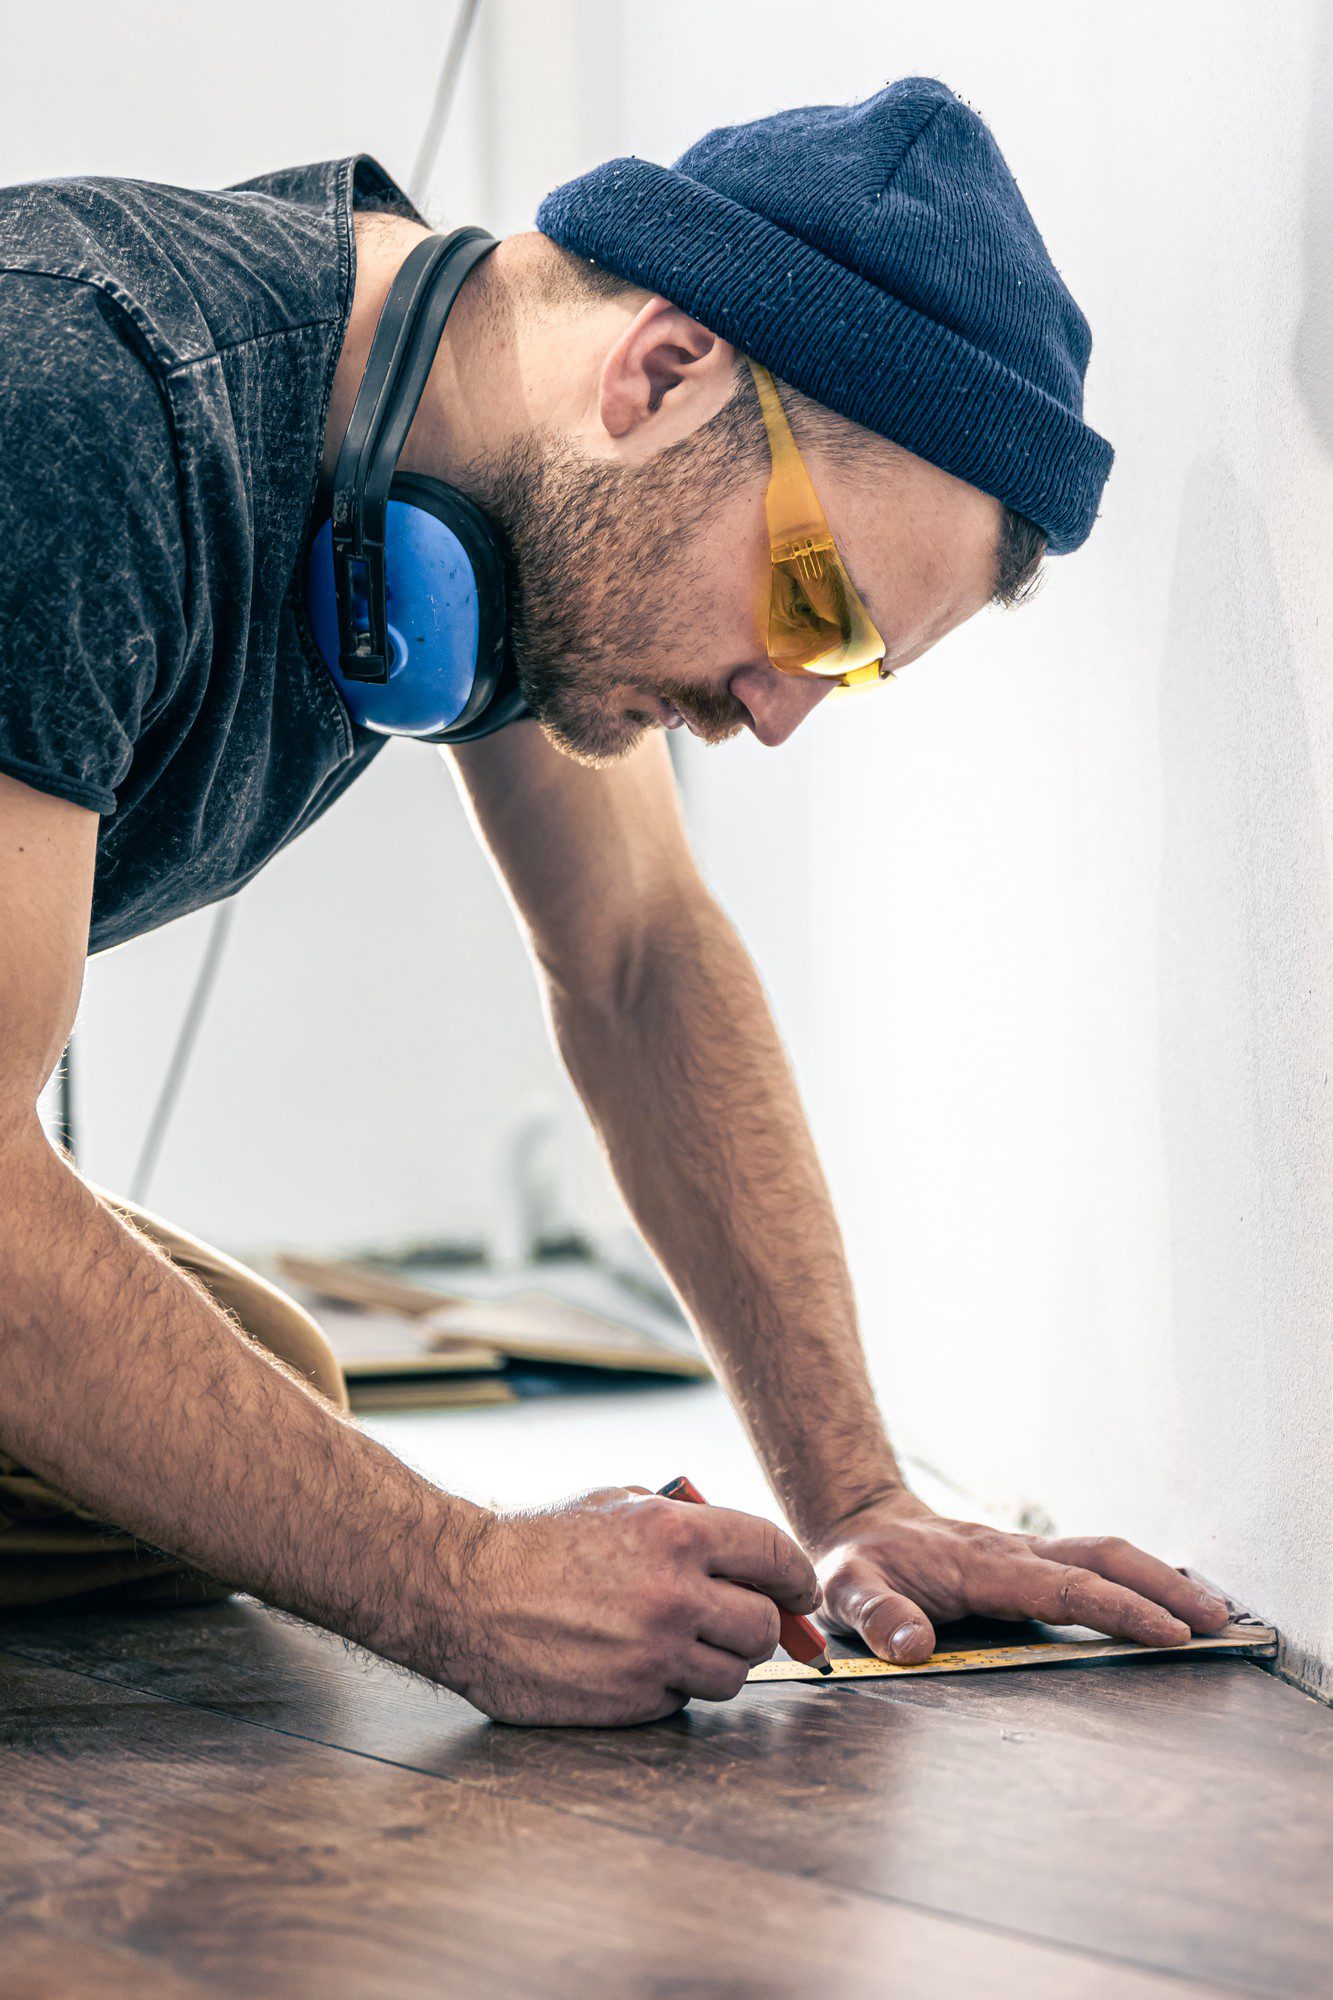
(433,137)
(180,1055)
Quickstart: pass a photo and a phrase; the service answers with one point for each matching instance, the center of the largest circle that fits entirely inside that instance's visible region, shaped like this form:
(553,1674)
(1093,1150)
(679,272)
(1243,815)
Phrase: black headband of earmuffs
(397,368)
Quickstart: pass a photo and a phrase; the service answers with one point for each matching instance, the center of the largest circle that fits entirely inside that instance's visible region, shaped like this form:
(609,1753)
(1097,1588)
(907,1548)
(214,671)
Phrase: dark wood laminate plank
(1164,1703)
(1186,1705)
(1141,1812)
(249,1864)
(40,1962)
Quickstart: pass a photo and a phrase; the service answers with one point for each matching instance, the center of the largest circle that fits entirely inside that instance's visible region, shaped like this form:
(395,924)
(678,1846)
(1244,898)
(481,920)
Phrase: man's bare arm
(697,1104)
(124,1384)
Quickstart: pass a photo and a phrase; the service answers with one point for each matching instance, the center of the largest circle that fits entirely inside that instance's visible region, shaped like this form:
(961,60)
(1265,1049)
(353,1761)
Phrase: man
(178,370)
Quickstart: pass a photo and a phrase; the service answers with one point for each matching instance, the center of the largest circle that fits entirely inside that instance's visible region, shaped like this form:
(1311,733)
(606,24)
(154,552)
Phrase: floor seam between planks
(940,1912)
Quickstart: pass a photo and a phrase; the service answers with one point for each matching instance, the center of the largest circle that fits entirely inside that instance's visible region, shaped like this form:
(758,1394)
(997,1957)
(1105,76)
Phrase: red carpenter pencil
(798,1636)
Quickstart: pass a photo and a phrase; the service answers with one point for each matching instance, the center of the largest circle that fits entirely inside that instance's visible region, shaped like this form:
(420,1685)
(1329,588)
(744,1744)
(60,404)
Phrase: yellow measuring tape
(1255,1642)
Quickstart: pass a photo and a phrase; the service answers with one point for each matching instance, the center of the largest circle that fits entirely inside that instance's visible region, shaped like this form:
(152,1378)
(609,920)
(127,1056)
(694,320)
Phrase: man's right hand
(617,1606)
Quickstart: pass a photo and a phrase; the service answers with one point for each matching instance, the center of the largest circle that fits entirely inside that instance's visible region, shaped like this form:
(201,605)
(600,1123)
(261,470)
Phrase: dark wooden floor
(224,1802)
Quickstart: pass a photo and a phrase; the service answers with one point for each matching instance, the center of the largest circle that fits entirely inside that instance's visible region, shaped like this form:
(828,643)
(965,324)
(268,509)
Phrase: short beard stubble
(591,546)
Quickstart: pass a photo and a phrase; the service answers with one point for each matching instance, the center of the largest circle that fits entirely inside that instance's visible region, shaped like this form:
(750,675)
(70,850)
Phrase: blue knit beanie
(879,257)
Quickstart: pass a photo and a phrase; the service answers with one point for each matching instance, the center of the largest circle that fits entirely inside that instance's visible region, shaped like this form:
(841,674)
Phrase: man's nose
(776,702)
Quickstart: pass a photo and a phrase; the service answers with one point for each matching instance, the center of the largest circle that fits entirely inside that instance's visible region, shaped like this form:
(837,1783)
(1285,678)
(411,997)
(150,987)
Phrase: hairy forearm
(123,1383)
(689,1086)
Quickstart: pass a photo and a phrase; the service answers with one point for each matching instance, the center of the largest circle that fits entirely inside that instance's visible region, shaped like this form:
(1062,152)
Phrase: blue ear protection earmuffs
(405,583)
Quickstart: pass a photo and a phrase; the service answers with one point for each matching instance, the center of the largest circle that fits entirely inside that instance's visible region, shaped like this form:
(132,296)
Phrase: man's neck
(486,385)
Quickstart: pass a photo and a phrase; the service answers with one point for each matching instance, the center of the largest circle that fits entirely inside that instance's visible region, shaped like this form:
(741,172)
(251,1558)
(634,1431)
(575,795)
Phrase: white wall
(1060,968)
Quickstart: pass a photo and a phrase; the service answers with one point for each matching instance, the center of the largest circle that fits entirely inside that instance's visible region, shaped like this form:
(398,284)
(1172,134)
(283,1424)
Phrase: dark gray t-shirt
(166,360)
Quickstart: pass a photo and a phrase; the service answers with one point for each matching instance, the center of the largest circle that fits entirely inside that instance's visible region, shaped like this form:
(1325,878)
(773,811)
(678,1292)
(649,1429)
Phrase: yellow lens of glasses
(817,622)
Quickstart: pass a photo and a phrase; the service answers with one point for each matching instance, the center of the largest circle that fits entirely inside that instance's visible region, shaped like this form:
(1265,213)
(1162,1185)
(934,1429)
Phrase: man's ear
(664,375)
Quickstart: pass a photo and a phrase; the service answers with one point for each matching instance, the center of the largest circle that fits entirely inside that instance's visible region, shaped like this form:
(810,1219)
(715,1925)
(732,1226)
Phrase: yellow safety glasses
(817,624)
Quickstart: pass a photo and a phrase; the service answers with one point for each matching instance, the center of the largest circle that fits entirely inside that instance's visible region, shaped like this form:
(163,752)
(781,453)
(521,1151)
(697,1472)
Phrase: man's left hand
(896,1568)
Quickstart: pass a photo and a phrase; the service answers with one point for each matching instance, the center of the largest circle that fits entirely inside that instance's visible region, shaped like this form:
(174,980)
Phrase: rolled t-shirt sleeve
(92,557)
